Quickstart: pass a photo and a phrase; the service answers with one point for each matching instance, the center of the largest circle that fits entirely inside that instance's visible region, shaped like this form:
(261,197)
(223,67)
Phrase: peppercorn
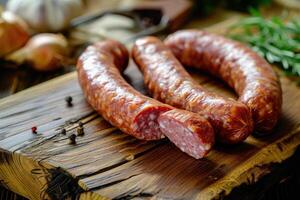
(69,100)
(63,131)
(80,131)
(80,124)
(130,157)
(72,139)
(34,129)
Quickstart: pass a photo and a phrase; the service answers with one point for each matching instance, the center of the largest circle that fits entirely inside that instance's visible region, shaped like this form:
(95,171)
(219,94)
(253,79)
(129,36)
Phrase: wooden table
(106,163)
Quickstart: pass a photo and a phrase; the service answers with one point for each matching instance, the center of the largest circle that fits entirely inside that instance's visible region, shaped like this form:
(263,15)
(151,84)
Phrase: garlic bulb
(46,15)
(44,52)
(13,33)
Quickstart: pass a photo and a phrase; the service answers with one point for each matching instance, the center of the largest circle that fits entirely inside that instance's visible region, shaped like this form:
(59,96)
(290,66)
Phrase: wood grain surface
(111,164)
(108,164)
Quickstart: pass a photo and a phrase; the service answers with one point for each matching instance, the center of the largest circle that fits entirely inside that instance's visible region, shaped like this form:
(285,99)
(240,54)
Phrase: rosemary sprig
(274,39)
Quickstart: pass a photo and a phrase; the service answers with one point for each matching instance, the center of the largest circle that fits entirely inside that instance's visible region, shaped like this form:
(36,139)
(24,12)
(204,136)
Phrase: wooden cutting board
(108,164)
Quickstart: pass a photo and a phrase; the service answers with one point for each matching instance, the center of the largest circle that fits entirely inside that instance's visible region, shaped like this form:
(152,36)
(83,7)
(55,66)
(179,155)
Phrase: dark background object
(205,7)
(245,5)
(5,194)
(282,184)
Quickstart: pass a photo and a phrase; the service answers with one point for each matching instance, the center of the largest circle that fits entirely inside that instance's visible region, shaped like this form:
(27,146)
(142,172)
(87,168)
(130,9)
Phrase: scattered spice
(34,129)
(80,131)
(130,157)
(63,131)
(72,139)
(69,100)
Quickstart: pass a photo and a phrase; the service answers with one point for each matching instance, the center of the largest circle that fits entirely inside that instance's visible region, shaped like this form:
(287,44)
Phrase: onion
(44,52)
(13,33)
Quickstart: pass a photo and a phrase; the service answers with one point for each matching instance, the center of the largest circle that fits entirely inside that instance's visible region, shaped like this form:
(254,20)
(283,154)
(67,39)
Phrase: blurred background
(81,22)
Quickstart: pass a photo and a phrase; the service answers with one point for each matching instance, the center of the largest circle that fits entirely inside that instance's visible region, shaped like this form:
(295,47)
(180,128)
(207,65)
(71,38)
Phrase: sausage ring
(240,67)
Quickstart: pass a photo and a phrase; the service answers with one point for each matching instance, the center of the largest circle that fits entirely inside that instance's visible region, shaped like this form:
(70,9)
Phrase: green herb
(277,41)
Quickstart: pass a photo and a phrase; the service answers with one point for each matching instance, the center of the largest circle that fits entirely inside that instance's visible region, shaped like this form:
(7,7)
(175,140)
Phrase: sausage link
(168,81)
(99,68)
(239,66)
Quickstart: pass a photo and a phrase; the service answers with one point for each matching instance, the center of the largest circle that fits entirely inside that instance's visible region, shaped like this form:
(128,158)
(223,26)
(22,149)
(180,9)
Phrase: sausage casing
(108,93)
(99,72)
(239,66)
(168,81)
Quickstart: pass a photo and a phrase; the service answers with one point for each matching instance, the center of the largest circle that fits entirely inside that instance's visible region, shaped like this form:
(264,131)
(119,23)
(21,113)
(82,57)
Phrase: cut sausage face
(146,124)
(191,133)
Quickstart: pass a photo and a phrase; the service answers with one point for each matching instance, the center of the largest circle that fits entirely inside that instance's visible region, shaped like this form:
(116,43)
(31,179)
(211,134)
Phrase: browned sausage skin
(250,75)
(109,94)
(168,81)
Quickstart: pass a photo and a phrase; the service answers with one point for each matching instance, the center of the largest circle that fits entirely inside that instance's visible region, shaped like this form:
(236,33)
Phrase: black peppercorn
(69,100)
(72,139)
(63,131)
(80,131)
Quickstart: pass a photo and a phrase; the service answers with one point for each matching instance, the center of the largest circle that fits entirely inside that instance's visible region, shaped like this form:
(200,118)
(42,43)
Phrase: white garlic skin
(46,15)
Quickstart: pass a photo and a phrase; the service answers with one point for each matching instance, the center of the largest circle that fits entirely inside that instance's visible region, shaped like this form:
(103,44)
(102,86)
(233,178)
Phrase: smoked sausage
(99,72)
(168,81)
(240,67)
